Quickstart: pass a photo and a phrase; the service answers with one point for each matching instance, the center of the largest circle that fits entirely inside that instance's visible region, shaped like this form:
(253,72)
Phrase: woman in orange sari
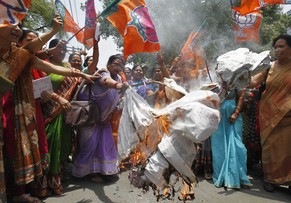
(275,116)
(14,65)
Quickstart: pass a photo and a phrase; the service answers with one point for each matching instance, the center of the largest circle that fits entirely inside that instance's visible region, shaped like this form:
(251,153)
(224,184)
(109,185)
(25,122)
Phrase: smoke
(175,20)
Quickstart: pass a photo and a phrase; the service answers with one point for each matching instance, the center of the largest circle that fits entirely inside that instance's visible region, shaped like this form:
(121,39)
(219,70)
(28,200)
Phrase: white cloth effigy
(193,118)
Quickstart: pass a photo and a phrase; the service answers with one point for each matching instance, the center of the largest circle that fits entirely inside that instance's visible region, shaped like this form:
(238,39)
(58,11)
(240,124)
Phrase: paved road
(85,191)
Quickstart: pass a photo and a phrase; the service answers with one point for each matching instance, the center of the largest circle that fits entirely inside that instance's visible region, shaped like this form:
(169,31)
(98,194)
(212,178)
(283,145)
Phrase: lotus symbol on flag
(243,21)
(8,9)
(60,9)
(143,23)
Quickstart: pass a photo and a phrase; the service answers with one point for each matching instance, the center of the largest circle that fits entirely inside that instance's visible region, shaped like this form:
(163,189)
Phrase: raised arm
(36,44)
(160,60)
(93,65)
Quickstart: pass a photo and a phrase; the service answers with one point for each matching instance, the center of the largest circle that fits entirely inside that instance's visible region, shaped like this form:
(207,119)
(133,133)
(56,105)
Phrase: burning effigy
(159,143)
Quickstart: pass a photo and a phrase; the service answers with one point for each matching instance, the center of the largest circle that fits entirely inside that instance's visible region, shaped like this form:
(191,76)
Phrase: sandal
(243,186)
(39,188)
(26,198)
(96,178)
(54,184)
(269,187)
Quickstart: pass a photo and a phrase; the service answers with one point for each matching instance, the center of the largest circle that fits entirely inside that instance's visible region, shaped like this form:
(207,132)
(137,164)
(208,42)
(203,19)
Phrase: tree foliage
(175,20)
(39,15)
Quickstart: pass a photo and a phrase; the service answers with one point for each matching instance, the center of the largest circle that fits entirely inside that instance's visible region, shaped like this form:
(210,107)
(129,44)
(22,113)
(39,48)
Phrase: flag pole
(102,13)
(54,6)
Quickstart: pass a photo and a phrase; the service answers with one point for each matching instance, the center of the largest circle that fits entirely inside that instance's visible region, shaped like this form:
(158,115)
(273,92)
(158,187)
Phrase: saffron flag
(247,27)
(193,56)
(13,11)
(187,49)
(91,30)
(249,6)
(277,1)
(69,25)
(131,18)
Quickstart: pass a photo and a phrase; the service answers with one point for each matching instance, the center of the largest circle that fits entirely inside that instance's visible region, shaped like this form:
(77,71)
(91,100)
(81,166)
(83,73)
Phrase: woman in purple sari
(97,154)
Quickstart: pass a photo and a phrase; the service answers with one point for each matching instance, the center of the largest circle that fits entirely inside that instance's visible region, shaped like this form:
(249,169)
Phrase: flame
(187,192)
(151,138)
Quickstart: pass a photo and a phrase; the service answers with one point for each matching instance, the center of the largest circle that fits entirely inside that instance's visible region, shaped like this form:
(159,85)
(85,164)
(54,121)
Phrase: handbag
(82,113)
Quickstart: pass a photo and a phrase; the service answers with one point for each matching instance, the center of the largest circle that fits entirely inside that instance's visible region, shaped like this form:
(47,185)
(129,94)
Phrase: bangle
(115,85)
(236,113)
(55,96)
(48,54)
(238,107)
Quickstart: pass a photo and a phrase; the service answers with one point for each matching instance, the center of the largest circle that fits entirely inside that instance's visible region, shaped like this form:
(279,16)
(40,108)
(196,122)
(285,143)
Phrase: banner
(91,30)
(131,18)
(247,27)
(249,6)
(13,11)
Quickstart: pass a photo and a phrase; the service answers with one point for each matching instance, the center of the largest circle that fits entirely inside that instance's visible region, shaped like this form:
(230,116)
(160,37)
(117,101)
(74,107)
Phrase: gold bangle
(40,40)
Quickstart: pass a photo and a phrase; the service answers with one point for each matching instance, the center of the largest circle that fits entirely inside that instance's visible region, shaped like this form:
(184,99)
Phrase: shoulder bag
(82,113)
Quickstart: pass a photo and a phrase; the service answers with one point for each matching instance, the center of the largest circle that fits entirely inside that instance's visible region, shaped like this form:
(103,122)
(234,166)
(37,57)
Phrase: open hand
(57,23)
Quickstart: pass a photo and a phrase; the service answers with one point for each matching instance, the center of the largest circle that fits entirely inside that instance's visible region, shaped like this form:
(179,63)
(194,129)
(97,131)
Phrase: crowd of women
(36,142)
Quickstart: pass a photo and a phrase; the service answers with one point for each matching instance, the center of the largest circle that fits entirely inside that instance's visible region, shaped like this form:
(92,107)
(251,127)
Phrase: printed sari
(13,65)
(275,126)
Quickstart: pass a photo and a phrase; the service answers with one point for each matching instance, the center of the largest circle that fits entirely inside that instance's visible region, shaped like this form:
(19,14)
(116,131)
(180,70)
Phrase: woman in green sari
(59,134)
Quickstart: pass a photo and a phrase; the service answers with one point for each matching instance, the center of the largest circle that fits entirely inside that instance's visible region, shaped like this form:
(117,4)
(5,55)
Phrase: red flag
(131,18)
(90,24)
(247,27)
(13,11)
(69,24)
(249,6)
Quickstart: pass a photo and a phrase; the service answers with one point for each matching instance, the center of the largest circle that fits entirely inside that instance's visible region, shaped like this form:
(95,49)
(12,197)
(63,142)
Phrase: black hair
(286,37)
(113,57)
(73,54)
(85,64)
(135,67)
(53,43)
(25,32)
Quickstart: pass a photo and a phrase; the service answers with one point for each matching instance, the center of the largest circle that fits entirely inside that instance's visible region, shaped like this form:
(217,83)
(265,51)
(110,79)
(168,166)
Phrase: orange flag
(187,49)
(247,27)
(69,24)
(249,6)
(277,1)
(13,11)
(131,18)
